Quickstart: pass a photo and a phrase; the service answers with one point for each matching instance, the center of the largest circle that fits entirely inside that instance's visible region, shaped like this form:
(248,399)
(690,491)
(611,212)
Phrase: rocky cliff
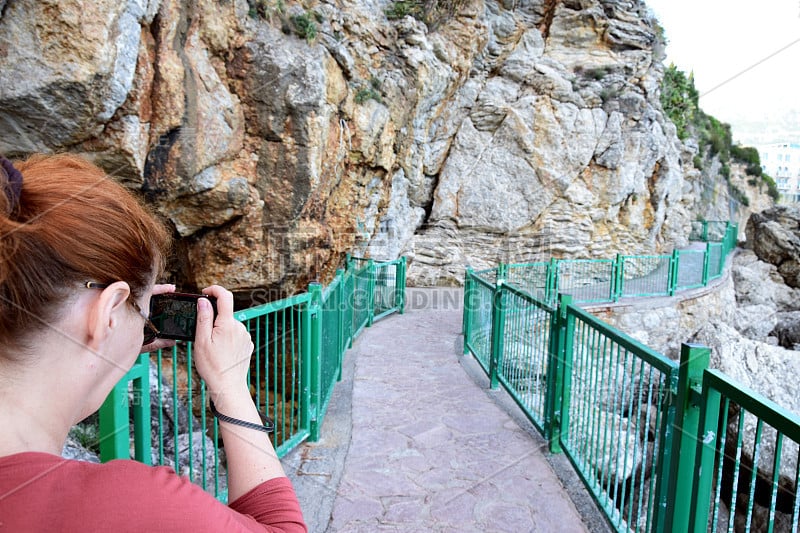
(274,137)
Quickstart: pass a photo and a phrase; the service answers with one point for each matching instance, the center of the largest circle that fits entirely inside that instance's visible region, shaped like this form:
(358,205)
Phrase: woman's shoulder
(40,488)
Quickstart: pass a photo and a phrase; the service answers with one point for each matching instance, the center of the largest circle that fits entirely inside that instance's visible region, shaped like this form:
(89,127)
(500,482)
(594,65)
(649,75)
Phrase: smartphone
(175,314)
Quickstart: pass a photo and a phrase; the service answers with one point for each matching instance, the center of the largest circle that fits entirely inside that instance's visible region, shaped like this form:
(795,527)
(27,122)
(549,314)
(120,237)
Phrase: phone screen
(175,314)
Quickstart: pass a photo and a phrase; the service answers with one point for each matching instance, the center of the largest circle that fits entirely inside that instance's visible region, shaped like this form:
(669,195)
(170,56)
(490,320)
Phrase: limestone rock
(58,90)
(491,133)
(774,235)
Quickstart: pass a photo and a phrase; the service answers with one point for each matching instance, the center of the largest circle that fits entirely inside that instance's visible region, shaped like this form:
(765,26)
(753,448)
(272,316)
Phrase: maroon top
(44,492)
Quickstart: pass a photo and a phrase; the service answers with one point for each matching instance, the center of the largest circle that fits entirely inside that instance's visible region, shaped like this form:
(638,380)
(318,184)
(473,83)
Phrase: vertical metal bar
(189,414)
(653,400)
(796,506)
(160,411)
(141,410)
(776,474)
(562,394)
(203,430)
(175,408)
(722,436)
(315,289)
(305,366)
(754,474)
(706,453)
(607,349)
(674,266)
(258,365)
(706,260)
(340,290)
(370,292)
(401,285)
(114,431)
(694,361)
(555,375)
(498,325)
(617,278)
(467,312)
(666,438)
(735,485)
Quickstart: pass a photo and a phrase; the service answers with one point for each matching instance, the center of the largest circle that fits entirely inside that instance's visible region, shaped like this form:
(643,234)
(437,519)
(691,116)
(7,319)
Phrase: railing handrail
(754,402)
(667,284)
(661,362)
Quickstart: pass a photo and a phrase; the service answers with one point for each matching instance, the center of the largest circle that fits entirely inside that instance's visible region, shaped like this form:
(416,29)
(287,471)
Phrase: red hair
(73,224)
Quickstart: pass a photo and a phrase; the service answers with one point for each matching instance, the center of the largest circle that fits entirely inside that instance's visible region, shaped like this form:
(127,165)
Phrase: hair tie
(14,188)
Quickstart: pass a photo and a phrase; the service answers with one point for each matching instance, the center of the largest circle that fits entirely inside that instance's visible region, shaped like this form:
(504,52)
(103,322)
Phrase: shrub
(745,154)
(754,170)
(772,188)
(597,73)
(679,98)
(737,194)
(402,8)
(431,12)
(697,161)
(304,27)
(367,93)
(725,171)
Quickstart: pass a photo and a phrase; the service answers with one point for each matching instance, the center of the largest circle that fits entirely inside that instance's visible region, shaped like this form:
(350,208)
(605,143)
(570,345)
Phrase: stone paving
(429,449)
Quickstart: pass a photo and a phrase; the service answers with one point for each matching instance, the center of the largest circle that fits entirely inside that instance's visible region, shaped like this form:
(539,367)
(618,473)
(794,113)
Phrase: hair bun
(13,185)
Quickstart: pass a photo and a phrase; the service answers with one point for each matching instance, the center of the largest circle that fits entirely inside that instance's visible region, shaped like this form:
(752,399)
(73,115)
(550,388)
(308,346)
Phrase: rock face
(774,235)
(275,139)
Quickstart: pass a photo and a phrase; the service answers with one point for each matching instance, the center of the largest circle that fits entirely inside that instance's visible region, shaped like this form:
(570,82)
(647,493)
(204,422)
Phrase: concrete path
(430,448)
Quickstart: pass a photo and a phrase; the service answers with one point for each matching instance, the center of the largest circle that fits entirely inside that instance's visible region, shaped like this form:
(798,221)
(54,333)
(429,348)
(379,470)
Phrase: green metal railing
(747,454)
(592,281)
(661,445)
(297,360)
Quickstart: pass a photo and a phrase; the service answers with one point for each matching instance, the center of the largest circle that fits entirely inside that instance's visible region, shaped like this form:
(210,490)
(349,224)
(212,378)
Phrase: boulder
(774,236)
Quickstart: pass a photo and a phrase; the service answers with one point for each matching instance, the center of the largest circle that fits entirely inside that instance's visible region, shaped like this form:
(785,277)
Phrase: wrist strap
(268,427)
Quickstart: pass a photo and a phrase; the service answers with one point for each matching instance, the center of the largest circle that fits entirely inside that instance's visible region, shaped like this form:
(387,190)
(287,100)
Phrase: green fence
(748,466)
(158,412)
(626,276)
(661,445)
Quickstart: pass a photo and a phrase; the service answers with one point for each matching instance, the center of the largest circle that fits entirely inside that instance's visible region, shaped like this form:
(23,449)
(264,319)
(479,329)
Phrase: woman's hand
(222,347)
(158,344)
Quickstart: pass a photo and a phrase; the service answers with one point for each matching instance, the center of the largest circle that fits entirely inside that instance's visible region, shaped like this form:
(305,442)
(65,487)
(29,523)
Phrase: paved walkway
(430,448)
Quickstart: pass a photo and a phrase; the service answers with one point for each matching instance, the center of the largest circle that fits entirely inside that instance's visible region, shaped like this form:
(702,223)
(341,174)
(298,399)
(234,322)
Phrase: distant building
(782,162)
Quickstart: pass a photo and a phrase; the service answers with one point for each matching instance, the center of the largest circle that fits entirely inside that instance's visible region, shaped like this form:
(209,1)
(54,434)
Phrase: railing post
(706,263)
(340,322)
(502,271)
(694,361)
(704,465)
(617,278)
(551,288)
(370,292)
(400,299)
(558,377)
(315,353)
(466,317)
(350,306)
(705,231)
(674,265)
(141,410)
(498,326)
(306,367)
(114,434)
(114,438)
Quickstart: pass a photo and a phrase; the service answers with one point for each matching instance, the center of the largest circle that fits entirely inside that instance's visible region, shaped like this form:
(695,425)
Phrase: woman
(78,262)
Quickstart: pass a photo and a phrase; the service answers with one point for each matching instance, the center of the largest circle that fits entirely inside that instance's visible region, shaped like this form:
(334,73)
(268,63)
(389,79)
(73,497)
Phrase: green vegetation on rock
(679,98)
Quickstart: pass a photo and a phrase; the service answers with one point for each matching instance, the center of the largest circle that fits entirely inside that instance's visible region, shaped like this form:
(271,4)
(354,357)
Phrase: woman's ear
(107,312)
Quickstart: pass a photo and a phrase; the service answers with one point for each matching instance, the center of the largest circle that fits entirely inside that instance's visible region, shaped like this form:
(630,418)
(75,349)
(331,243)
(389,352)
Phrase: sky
(745,56)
